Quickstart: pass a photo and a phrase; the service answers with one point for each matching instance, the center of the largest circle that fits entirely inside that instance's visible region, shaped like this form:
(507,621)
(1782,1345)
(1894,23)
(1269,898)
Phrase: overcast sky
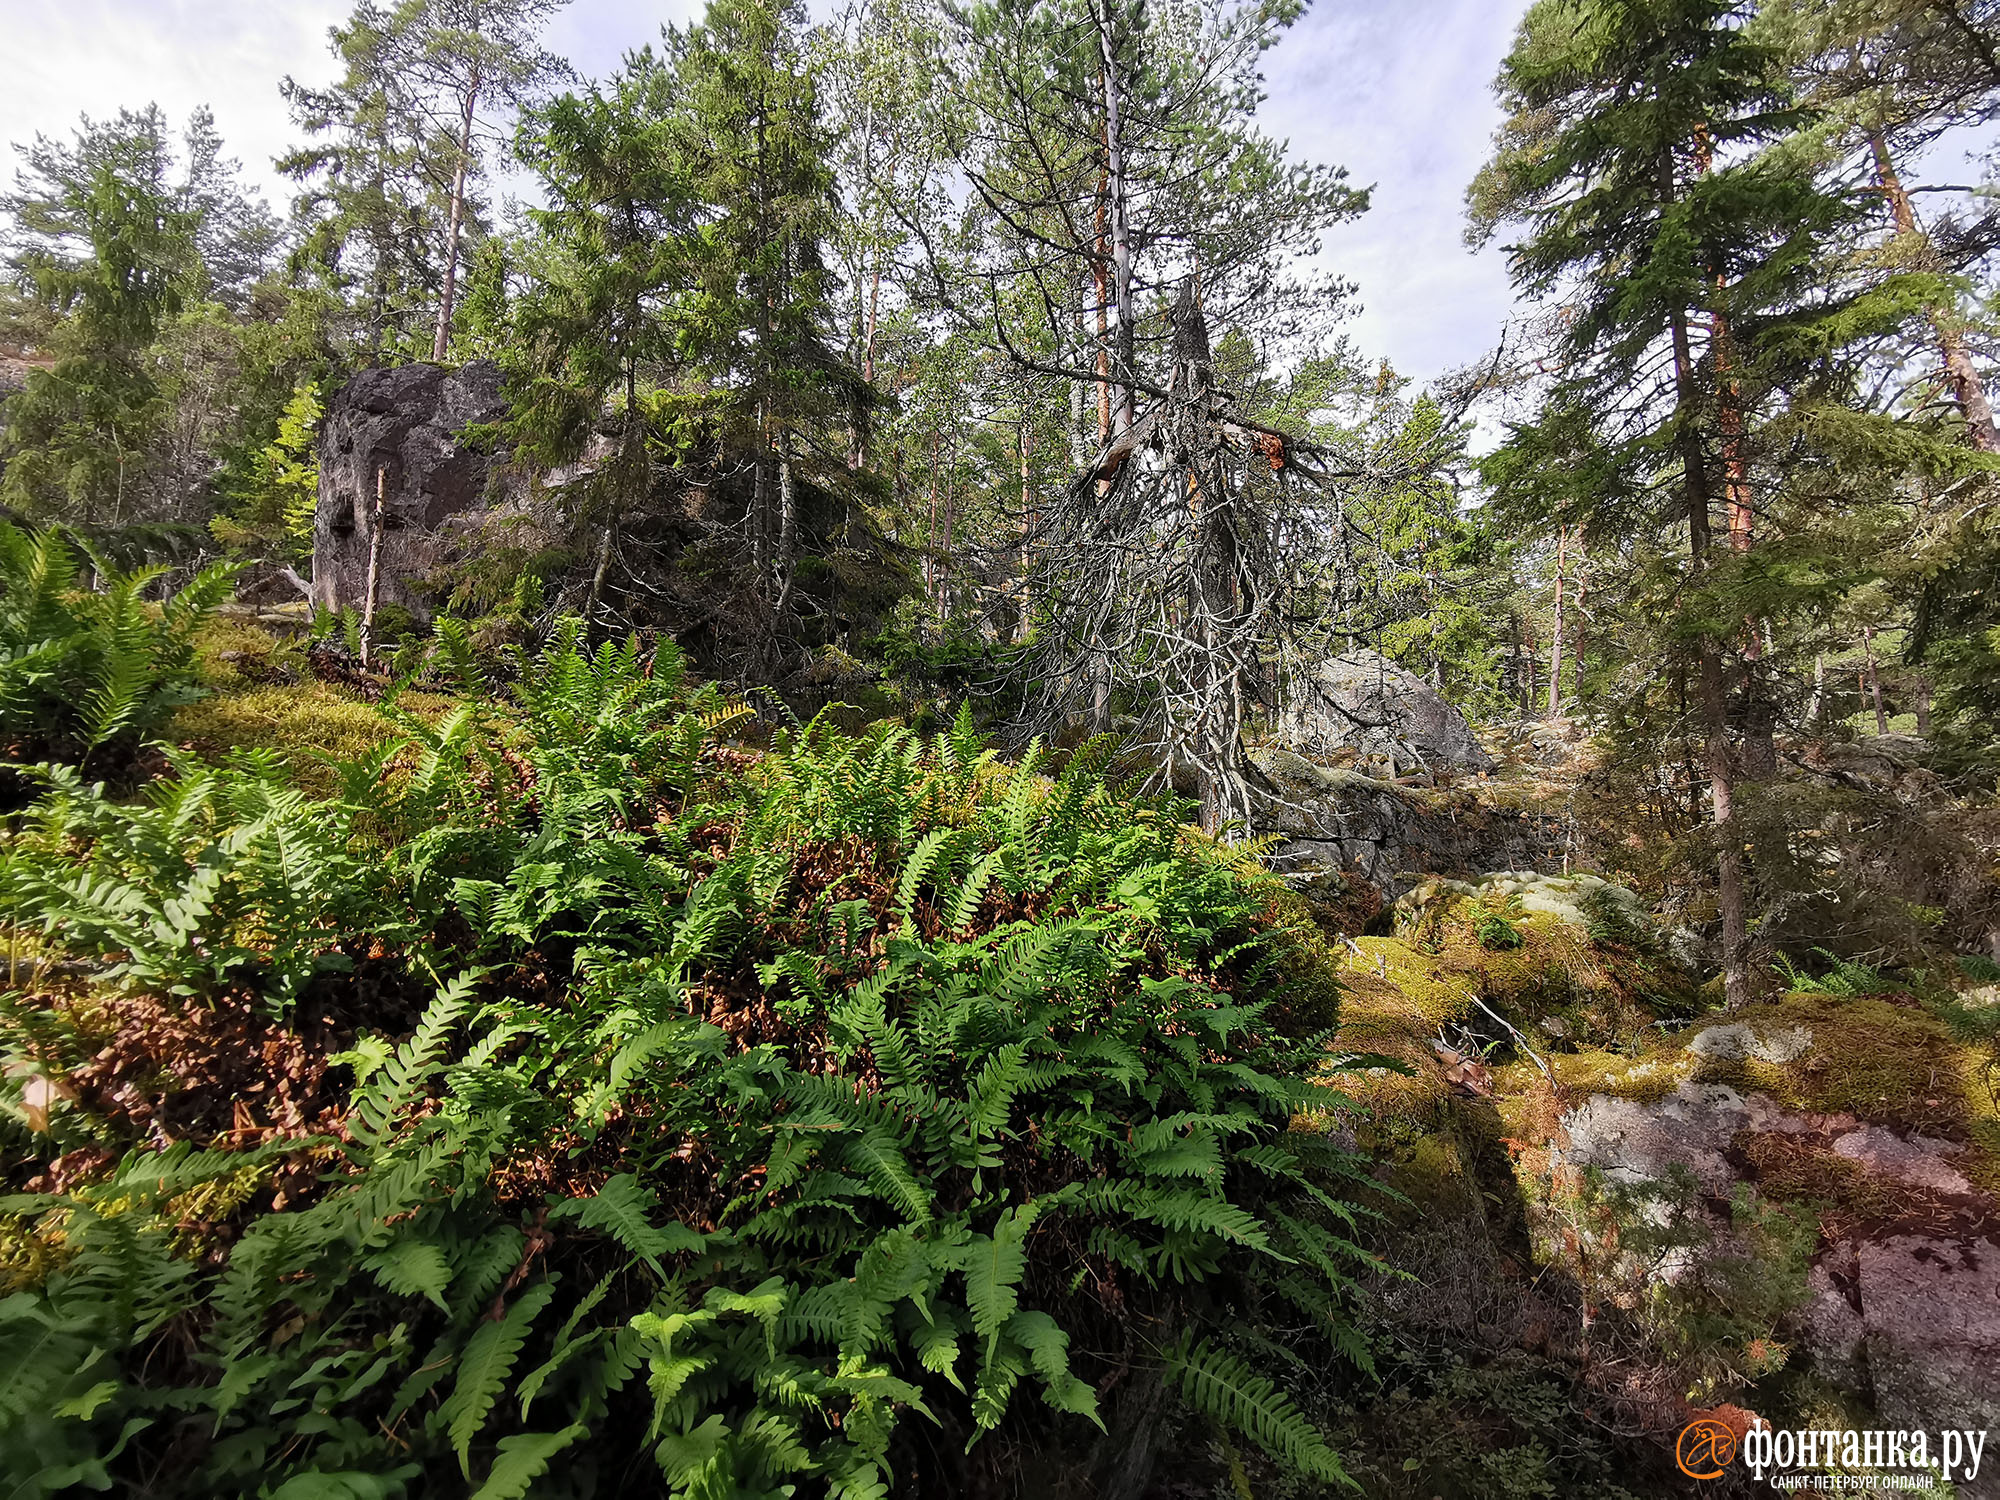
(1395,90)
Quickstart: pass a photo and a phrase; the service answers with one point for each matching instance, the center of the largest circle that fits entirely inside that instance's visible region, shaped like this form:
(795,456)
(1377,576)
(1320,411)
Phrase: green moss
(1893,1064)
(1646,1077)
(261,698)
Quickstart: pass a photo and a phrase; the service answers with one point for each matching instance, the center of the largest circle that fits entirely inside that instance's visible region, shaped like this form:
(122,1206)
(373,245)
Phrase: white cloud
(73,57)
(1396,90)
(1399,92)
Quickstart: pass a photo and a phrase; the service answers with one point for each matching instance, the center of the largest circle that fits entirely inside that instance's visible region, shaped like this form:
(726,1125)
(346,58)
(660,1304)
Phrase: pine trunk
(1556,644)
(441,344)
(1123,348)
(374,583)
(1968,389)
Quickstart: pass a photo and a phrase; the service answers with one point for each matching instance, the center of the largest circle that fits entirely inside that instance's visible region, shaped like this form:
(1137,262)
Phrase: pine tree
(464,64)
(1644,157)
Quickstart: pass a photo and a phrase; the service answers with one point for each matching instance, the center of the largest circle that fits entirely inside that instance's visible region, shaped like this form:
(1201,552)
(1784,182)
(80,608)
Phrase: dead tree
(1206,564)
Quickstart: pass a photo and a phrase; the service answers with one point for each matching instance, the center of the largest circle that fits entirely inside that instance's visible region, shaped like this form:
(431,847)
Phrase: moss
(1892,1064)
(1887,1063)
(1644,1078)
(260,697)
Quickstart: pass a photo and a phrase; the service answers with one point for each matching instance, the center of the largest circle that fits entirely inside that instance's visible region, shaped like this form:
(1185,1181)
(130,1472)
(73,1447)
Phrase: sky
(1398,91)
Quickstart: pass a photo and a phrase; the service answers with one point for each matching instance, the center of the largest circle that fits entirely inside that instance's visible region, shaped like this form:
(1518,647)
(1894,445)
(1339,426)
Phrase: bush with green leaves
(785,1121)
(86,673)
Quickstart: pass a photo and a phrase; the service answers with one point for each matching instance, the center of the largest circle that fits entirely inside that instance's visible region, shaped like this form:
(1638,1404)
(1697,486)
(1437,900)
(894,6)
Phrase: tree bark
(374,583)
(1968,389)
(1730,901)
(1121,238)
(788,529)
(1556,644)
(1874,678)
(441,344)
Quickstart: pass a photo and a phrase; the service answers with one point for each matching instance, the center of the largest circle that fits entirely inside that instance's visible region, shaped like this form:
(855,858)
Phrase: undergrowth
(679,1115)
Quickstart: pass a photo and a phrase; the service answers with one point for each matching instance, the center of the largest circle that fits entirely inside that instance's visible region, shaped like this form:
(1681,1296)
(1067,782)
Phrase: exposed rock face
(1906,1315)
(404,425)
(1392,837)
(1391,719)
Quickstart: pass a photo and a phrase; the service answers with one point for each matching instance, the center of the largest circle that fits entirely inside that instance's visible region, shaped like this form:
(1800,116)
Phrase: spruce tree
(747,137)
(607,253)
(1645,158)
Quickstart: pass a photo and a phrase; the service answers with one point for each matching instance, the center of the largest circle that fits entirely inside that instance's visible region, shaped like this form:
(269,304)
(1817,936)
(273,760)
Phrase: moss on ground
(261,697)
(1885,1061)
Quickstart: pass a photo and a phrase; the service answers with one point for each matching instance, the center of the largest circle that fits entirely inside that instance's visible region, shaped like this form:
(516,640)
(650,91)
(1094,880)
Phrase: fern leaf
(993,1267)
(620,1209)
(1220,1386)
(875,1154)
(484,1367)
(412,1267)
(1048,1348)
(523,1459)
(917,869)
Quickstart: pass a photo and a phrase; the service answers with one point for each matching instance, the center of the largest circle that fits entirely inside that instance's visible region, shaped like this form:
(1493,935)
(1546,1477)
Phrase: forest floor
(1605,1212)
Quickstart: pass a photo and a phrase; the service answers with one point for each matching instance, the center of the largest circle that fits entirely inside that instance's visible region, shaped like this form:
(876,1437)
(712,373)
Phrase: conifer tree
(1644,159)
(747,136)
(609,250)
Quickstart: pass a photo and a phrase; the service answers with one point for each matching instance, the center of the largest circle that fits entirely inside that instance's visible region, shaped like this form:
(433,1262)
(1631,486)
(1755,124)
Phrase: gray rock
(406,424)
(1389,836)
(1632,1142)
(1830,1325)
(1362,701)
(1931,1314)
(1739,1040)
(1919,1160)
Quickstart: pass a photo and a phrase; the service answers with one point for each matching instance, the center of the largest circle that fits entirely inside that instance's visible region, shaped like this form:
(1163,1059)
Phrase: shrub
(769,1106)
(85,676)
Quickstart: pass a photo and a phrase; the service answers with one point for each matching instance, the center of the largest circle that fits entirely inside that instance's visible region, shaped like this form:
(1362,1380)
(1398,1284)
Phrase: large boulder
(403,427)
(1390,838)
(1389,719)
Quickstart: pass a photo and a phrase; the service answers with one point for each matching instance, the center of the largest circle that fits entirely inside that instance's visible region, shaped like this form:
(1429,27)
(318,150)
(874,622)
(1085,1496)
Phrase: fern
(522,1460)
(1221,1387)
(484,1367)
(620,1209)
(394,1086)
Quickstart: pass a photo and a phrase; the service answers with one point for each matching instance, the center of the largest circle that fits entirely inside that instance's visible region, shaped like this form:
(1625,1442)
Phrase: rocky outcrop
(403,428)
(1387,718)
(1392,837)
(1903,1295)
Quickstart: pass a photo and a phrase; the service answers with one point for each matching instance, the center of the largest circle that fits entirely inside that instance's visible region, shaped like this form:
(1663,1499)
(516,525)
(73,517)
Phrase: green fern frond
(1219,1386)
(483,1369)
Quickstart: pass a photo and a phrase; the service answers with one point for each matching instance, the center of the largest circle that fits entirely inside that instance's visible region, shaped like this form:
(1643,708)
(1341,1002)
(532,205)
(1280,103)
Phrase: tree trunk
(441,344)
(1968,389)
(1121,238)
(931,537)
(1100,281)
(788,529)
(1874,678)
(1730,900)
(598,575)
(1029,519)
(1556,644)
(374,583)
